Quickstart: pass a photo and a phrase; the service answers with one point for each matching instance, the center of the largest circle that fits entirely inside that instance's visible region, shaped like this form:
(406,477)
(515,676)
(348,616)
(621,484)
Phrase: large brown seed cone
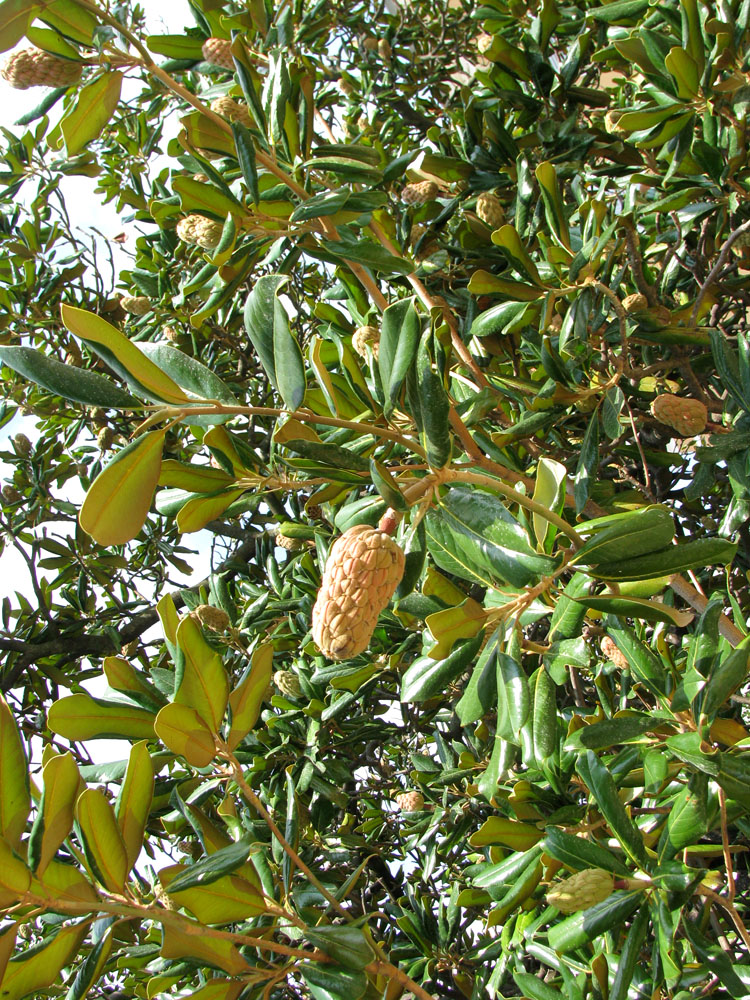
(198,230)
(363,569)
(232,110)
(219,52)
(687,416)
(34,68)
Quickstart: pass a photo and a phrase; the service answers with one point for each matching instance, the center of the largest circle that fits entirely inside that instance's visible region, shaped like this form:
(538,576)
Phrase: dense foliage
(540,213)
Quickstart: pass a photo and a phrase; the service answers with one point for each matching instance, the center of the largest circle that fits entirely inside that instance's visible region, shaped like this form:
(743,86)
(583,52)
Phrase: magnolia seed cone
(200,231)
(214,618)
(34,68)
(409,802)
(490,210)
(363,336)
(288,683)
(219,52)
(363,569)
(232,110)
(580,891)
(612,653)
(637,302)
(686,416)
(419,193)
(136,305)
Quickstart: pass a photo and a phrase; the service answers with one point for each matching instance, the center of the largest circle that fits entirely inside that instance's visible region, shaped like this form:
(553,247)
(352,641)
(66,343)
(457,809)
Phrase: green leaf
(626,536)
(543,715)
(508,832)
(122,355)
(588,463)
(15,18)
(81,717)
(105,847)
(549,491)
(267,325)
(205,198)
(189,942)
(430,405)
(36,971)
(643,662)
(118,501)
(246,699)
(578,854)
(222,862)
(587,925)
(203,684)
(15,802)
(553,203)
(698,553)
(186,734)
(134,801)
(77,384)
(630,956)
(71,20)
(687,820)
(726,676)
(92,968)
(509,241)
(685,71)
(513,698)
(94,106)
(176,46)
(611,732)
(333,982)
(345,944)
(471,534)
(603,788)
(568,615)
(15,877)
(399,341)
(193,377)
(62,784)
(481,692)
(228,899)
(386,485)
(636,607)
(427,677)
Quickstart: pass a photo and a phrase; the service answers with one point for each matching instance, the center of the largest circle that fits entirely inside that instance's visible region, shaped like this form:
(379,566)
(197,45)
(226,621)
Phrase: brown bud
(370,44)
(314,511)
(200,231)
(214,618)
(289,544)
(409,802)
(490,210)
(170,333)
(11,494)
(136,305)
(384,50)
(687,416)
(582,890)
(635,303)
(419,193)
(105,438)
(288,683)
(363,569)
(219,52)
(364,336)
(34,68)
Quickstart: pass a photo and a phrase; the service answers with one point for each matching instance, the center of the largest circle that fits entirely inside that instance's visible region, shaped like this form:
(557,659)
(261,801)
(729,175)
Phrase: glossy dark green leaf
(643,662)
(716,961)
(627,536)
(345,944)
(426,677)
(399,340)
(246,155)
(267,326)
(676,559)
(77,384)
(328,453)
(636,607)
(630,955)
(326,203)
(514,698)
(587,925)
(604,790)
(611,732)
(588,463)
(333,982)
(386,486)
(430,405)
(471,534)
(577,854)
(480,694)
(222,862)
(567,618)
(687,820)
(543,714)
(726,676)
(194,377)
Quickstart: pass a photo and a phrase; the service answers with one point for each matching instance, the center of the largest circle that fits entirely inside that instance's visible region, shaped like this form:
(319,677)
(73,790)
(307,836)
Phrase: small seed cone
(582,890)
(219,52)
(687,416)
(23,444)
(363,336)
(232,110)
(214,618)
(637,302)
(288,683)
(290,544)
(11,494)
(364,568)
(105,438)
(409,802)
(419,193)
(490,210)
(136,305)
(200,231)
(34,68)
(613,654)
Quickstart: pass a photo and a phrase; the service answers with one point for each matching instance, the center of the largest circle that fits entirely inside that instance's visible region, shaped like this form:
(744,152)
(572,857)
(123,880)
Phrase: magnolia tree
(434,322)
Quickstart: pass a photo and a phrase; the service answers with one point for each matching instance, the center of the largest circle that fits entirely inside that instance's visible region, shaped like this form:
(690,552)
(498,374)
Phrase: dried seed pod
(419,193)
(612,653)
(290,544)
(490,210)
(214,618)
(34,68)
(363,569)
(136,305)
(288,683)
(687,416)
(635,303)
(363,336)
(170,333)
(219,52)
(409,802)
(23,444)
(11,494)
(200,231)
(384,50)
(105,438)
(232,110)
(314,511)
(582,890)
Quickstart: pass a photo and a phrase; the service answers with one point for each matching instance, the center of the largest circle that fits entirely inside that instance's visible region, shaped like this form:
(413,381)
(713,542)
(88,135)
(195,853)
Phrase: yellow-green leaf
(549,491)
(194,478)
(63,882)
(205,684)
(247,697)
(508,239)
(201,197)
(14,778)
(498,830)
(15,877)
(685,71)
(195,945)
(62,783)
(71,20)
(485,283)
(34,971)
(7,946)
(217,989)
(93,108)
(122,676)
(104,844)
(117,503)
(15,17)
(185,733)
(169,618)
(196,513)
(451,624)
(226,900)
(122,355)
(134,801)
(81,717)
